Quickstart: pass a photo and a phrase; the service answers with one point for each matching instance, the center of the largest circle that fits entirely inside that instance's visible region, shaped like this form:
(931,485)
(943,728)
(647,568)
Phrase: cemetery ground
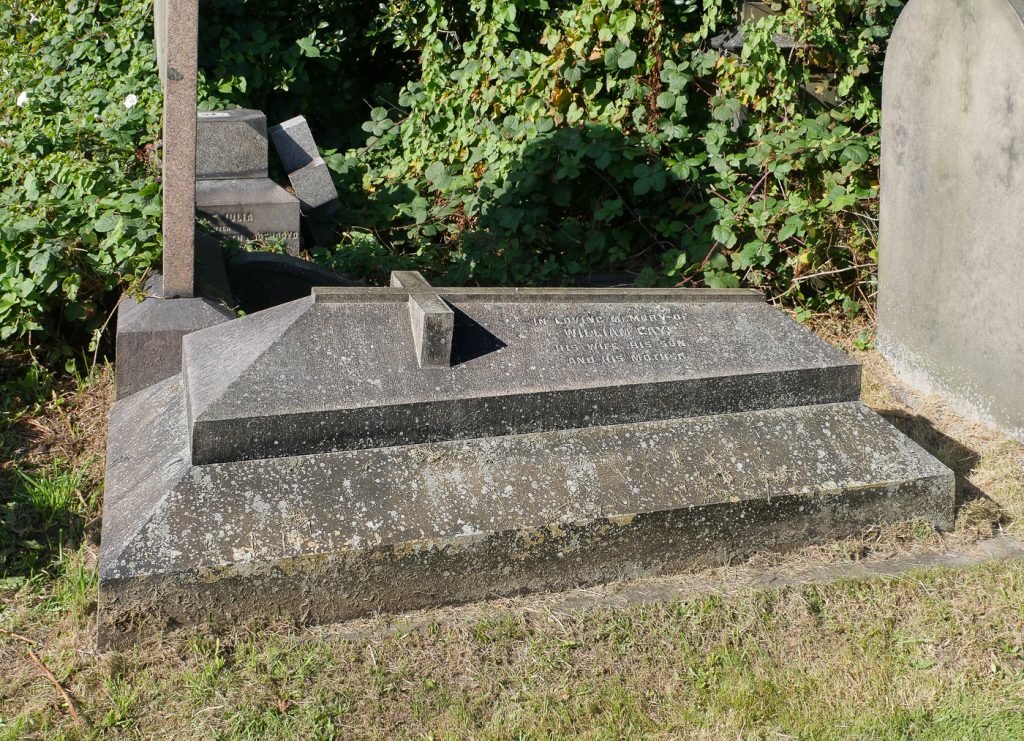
(932,652)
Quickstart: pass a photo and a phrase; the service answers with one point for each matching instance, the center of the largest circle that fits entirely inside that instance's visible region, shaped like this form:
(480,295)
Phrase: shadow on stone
(260,280)
(471,340)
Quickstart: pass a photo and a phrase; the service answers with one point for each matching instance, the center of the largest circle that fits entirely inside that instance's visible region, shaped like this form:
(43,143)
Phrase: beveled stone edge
(547,295)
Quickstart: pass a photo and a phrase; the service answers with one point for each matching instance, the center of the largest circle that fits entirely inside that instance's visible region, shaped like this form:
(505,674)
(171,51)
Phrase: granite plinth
(250,210)
(524,360)
(149,335)
(314,539)
(261,280)
(231,144)
(950,304)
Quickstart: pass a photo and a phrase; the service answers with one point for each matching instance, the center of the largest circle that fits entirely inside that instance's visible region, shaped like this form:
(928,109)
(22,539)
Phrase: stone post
(177,39)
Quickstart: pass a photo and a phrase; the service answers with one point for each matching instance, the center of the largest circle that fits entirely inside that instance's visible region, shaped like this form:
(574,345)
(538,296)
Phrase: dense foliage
(487,141)
(79,200)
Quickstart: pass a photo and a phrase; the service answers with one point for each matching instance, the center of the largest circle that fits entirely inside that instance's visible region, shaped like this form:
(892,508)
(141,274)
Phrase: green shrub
(79,197)
(320,58)
(507,141)
(544,141)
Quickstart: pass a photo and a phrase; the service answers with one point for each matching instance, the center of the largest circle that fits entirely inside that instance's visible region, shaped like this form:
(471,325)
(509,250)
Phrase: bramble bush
(481,141)
(546,141)
(79,197)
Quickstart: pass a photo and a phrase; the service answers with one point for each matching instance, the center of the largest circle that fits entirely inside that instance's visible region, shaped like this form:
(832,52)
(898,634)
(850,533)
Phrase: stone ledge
(325,538)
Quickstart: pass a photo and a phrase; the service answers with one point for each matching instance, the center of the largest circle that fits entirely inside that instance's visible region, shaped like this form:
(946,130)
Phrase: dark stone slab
(522,360)
(294,144)
(322,538)
(149,335)
(322,224)
(260,280)
(314,185)
(211,271)
(231,144)
(250,210)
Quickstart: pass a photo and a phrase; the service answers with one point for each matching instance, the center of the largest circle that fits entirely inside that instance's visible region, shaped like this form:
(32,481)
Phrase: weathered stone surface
(950,304)
(177,33)
(149,334)
(294,144)
(433,321)
(250,210)
(231,144)
(314,185)
(322,538)
(310,177)
(522,360)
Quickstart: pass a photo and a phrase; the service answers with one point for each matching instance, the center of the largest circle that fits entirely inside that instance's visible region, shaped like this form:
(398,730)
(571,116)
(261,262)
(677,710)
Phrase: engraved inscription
(594,339)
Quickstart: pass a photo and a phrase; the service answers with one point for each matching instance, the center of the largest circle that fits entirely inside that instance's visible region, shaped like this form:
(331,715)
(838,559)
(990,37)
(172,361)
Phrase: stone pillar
(177,38)
(951,272)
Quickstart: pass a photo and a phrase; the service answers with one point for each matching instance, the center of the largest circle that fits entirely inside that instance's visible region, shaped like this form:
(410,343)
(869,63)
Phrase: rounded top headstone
(950,298)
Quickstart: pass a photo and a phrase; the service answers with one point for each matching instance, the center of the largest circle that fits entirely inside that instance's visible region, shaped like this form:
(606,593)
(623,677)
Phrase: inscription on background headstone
(250,210)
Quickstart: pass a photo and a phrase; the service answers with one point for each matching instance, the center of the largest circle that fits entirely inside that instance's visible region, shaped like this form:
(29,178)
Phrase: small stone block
(294,144)
(231,144)
(250,210)
(150,332)
(314,185)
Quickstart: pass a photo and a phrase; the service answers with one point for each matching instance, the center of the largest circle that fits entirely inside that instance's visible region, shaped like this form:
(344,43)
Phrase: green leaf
(627,59)
(856,153)
(724,235)
(107,222)
(787,231)
(666,100)
(721,279)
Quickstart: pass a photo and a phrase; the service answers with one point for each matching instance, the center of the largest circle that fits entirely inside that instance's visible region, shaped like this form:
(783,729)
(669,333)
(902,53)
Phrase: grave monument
(369,449)
(385,449)
(309,175)
(950,303)
(234,195)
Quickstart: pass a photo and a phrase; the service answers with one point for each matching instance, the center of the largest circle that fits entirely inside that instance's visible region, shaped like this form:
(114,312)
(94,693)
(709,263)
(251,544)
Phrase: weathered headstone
(950,296)
(314,185)
(309,175)
(177,34)
(232,144)
(368,449)
(250,210)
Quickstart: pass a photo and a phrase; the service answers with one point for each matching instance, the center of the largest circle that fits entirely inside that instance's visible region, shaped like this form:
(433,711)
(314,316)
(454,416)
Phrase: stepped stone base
(333,536)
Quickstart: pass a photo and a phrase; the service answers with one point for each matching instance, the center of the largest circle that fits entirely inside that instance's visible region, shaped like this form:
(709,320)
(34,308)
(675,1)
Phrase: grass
(934,654)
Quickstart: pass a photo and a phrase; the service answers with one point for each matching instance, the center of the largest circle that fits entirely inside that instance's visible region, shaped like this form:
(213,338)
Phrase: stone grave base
(333,536)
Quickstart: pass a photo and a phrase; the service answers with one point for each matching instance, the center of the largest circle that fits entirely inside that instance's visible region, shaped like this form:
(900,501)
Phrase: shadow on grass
(962,460)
